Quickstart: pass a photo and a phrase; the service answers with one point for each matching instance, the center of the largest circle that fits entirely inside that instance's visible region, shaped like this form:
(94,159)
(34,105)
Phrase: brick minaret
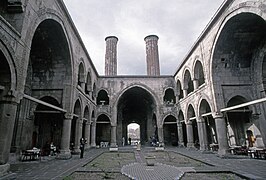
(152,55)
(111,56)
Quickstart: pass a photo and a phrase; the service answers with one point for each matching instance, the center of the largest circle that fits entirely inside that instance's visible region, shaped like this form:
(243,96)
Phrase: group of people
(49,149)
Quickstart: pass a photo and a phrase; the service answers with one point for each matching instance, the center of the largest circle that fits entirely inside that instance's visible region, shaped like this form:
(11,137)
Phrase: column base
(223,152)
(93,145)
(4,169)
(191,145)
(181,145)
(76,151)
(113,145)
(64,154)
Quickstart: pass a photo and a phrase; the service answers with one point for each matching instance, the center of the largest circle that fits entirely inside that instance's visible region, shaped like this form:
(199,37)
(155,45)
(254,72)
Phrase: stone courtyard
(51,95)
(127,162)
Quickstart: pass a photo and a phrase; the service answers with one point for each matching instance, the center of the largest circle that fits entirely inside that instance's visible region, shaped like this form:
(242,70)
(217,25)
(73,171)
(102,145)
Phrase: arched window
(169,97)
(198,73)
(188,83)
(179,90)
(102,98)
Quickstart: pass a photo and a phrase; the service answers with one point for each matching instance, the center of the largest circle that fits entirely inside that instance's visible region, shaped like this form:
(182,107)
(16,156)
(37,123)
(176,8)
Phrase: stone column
(190,138)
(8,108)
(93,134)
(82,84)
(152,55)
(202,134)
(113,137)
(185,92)
(160,135)
(65,139)
(111,56)
(87,134)
(78,135)
(180,135)
(195,83)
(221,133)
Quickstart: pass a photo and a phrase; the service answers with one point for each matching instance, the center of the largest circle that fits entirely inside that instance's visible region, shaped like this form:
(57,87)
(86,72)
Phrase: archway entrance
(103,130)
(48,125)
(170,131)
(238,122)
(136,105)
(133,134)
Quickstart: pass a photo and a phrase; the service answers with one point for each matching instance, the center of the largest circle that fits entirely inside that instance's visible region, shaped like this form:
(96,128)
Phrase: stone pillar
(93,134)
(202,134)
(82,82)
(160,136)
(87,134)
(65,139)
(8,108)
(190,138)
(78,134)
(180,135)
(111,56)
(221,133)
(152,55)
(185,92)
(195,83)
(113,137)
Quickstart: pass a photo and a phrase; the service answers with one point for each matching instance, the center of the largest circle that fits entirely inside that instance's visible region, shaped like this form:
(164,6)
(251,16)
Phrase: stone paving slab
(157,172)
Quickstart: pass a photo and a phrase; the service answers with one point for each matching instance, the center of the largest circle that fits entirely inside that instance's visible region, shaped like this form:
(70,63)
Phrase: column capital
(217,114)
(68,116)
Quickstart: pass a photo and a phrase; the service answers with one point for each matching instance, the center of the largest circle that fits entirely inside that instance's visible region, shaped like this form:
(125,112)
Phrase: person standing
(82,145)
(123,141)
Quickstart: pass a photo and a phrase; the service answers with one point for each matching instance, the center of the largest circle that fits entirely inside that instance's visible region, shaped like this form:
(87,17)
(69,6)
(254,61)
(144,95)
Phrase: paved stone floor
(51,168)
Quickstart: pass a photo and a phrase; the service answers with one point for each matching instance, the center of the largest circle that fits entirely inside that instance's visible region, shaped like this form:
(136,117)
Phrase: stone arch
(181,119)
(48,125)
(76,131)
(169,96)
(88,86)
(103,129)
(93,95)
(179,89)
(87,113)
(86,124)
(8,78)
(49,58)
(199,73)
(191,118)
(136,104)
(170,130)
(143,86)
(102,97)
(52,15)
(188,83)
(205,113)
(235,59)
(81,74)
(237,121)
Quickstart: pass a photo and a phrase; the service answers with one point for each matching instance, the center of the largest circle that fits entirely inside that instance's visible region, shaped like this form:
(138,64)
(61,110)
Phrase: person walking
(82,145)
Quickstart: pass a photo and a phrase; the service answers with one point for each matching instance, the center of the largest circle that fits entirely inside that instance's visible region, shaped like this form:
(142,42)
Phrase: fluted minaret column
(152,55)
(111,56)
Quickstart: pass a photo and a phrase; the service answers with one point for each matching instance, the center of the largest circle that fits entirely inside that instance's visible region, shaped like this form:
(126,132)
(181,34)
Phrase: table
(104,144)
(31,154)
(239,150)
(258,153)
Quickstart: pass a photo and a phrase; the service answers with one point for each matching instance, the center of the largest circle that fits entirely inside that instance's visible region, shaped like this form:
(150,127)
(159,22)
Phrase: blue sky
(178,23)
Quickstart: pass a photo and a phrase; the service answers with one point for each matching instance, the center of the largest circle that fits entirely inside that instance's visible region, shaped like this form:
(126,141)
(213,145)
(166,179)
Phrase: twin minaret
(152,55)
